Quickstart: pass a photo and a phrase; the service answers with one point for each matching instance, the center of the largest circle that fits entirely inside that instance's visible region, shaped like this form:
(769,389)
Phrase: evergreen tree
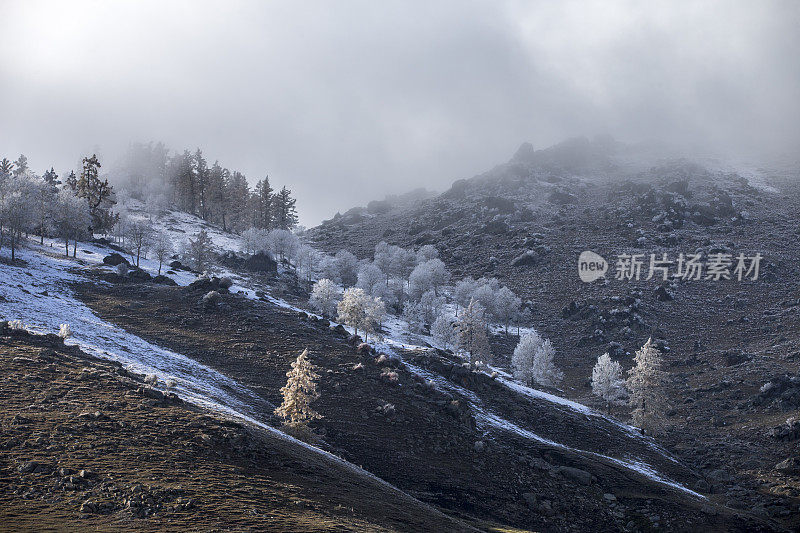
(238,196)
(218,195)
(285,210)
(645,383)
(6,168)
(51,179)
(201,179)
(98,193)
(21,165)
(264,204)
(71,181)
(299,393)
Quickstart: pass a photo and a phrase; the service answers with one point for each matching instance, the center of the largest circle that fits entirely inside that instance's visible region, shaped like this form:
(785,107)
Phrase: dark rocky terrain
(88,446)
(527,221)
(425,441)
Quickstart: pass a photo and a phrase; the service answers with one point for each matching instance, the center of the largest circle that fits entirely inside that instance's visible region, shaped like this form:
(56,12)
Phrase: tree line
(150,173)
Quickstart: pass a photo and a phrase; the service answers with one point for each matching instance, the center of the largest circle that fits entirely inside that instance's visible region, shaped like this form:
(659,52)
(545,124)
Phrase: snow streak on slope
(38,295)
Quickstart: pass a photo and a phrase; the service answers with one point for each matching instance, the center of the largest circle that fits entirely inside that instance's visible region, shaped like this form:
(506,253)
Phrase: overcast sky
(347,101)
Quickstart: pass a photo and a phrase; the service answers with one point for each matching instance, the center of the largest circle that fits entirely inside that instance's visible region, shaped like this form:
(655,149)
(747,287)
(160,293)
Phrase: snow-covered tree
(307,260)
(369,278)
(198,251)
(532,361)
(325,296)
(18,208)
(607,381)
(347,268)
(353,308)
(375,311)
(254,240)
(506,305)
(140,234)
(430,275)
(486,296)
(426,253)
(394,261)
(162,248)
(471,333)
(299,393)
(645,384)
(462,293)
(282,243)
(71,218)
(443,330)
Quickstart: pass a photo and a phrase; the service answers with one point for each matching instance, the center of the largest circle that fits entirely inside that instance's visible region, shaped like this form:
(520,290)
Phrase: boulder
(115,259)
(790,465)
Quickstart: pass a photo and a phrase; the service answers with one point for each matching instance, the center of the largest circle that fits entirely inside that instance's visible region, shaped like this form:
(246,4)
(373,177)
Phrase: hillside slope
(86,445)
(527,221)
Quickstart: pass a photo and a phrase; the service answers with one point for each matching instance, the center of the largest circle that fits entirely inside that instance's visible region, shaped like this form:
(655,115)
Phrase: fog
(347,101)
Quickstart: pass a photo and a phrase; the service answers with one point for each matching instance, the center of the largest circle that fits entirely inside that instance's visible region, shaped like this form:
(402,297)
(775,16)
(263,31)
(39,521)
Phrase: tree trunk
(75,248)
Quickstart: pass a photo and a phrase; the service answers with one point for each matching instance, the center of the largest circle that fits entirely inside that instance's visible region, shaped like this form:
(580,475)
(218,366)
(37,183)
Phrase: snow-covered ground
(39,295)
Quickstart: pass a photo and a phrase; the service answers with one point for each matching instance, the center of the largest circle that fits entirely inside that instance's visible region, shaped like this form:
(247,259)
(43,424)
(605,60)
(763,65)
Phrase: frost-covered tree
(462,292)
(394,261)
(421,314)
(369,278)
(645,384)
(140,235)
(532,361)
(71,218)
(44,202)
(198,251)
(486,296)
(162,248)
(18,208)
(282,243)
(471,333)
(325,296)
(443,330)
(352,310)
(347,268)
(307,260)
(607,381)
(506,305)
(426,253)
(284,210)
(375,311)
(254,240)
(299,393)
(430,275)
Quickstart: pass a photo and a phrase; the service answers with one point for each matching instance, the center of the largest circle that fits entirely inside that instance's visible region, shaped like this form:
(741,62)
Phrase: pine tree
(201,179)
(533,361)
(645,383)
(285,210)
(71,181)
(97,193)
(264,203)
(299,393)
(51,179)
(6,168)
(21,165)
(199,251)
(218,194)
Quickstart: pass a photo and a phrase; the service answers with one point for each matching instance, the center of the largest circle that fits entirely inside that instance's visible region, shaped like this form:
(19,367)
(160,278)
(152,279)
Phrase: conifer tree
(645,383)
(97,193)
(21,166)
(264,204)
(285,210)
(299,393)
(6,168)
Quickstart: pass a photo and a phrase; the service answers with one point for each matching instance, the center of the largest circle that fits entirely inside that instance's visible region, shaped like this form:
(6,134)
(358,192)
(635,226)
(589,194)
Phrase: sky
(347,101)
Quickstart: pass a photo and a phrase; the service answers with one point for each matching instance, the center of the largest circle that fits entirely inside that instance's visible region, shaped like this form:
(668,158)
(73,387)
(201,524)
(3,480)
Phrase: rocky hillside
(87,445)
(527,221)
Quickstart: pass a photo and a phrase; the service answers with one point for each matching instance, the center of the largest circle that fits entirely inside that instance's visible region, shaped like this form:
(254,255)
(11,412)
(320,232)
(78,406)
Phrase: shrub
(65,331)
